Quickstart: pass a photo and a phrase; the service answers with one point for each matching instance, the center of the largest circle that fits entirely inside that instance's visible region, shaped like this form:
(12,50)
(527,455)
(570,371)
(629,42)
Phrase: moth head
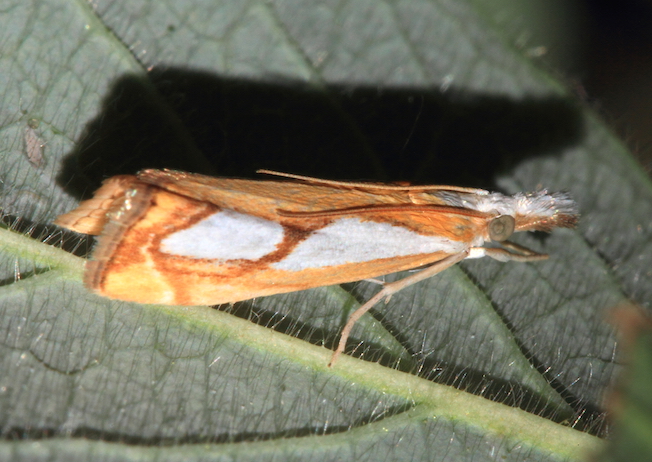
(533,211)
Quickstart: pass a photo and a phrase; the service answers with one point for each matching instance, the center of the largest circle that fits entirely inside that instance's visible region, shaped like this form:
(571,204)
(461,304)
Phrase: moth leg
(387,291)
(375,281)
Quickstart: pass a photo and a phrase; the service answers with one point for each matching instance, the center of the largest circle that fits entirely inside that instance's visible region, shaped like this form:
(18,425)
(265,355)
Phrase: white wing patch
(350,240)
(226,235)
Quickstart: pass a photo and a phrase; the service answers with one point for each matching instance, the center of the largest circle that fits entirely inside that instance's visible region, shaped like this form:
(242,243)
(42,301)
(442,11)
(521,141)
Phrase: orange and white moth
(186,239)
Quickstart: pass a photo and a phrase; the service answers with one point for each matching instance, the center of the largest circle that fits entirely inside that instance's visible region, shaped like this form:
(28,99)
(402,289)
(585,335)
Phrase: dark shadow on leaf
(200,122)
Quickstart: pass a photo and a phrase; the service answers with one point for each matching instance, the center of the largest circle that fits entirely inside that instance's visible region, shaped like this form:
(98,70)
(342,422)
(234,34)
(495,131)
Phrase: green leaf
(420,91)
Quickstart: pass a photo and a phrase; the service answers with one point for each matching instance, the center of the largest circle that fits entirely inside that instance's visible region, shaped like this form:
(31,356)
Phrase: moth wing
(90,216)
(265,198)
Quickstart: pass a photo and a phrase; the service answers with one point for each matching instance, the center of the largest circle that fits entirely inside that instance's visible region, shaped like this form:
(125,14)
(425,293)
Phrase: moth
(169,237)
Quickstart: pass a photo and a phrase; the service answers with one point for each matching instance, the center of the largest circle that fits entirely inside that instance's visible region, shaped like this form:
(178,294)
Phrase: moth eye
(501,228)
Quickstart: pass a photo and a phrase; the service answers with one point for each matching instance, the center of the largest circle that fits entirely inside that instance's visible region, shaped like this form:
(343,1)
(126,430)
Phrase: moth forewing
(91,215)
(187,239)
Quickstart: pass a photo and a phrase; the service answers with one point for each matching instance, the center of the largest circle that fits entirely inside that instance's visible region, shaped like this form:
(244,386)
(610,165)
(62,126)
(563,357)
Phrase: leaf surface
(408,90)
